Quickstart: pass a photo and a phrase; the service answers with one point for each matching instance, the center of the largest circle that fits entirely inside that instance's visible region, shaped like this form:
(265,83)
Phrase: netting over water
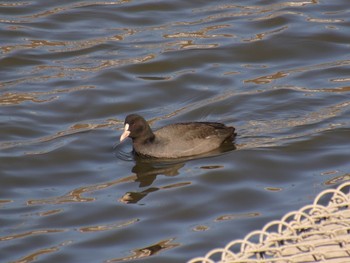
(315,233)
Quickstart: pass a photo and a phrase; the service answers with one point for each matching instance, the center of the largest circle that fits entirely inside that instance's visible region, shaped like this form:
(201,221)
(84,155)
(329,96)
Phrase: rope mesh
(315,233)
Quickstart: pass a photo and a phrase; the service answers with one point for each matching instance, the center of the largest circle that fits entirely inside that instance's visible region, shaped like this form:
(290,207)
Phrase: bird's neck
(147,137)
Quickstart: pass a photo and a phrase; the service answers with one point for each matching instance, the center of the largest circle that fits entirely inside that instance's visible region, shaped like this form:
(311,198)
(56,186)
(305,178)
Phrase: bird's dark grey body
(176,140)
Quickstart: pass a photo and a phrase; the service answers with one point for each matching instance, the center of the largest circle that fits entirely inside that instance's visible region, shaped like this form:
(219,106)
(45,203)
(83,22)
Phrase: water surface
(279,71)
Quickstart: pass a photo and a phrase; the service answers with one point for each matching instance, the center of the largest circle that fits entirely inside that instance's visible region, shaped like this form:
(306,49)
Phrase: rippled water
(279,71)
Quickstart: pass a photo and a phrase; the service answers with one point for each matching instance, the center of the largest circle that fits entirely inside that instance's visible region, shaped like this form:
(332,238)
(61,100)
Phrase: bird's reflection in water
(147,170)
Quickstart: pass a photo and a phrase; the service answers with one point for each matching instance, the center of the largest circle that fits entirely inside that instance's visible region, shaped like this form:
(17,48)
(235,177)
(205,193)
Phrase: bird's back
(187,139)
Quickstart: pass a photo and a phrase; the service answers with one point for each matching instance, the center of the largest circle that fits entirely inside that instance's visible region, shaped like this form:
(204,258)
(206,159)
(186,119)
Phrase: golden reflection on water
(338,179)
(273,189)
(236,216)
(50,212)
(200,228)
(210,167)
(17,98)
(66,46)
(281,74)
(203,33)
(325,20)
(32,44)
(338,89)
(14,4)
(104,64)
(147,251)
(30,233)
(100,228)
(330,172)
(5,201)
(187,44)
(340,80)
(263,35)
(76,194)
(35,255)
(71,197)
(278,14)
(267,79)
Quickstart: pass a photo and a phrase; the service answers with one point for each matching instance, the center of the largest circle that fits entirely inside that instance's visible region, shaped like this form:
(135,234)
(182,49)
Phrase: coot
(175,140)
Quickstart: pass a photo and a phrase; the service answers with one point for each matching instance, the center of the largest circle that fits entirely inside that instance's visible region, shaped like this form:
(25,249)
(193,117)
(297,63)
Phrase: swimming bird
(175,140)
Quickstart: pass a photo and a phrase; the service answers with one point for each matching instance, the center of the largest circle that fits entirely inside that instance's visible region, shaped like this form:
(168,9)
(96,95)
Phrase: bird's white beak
(126,133)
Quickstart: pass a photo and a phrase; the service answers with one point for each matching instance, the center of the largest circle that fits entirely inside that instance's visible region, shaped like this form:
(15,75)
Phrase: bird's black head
(137,128)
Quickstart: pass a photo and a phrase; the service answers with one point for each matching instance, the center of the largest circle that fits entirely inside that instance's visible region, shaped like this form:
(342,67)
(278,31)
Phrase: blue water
(72,70)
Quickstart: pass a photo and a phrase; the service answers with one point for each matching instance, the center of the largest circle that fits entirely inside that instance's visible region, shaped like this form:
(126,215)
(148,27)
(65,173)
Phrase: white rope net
(315,233)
